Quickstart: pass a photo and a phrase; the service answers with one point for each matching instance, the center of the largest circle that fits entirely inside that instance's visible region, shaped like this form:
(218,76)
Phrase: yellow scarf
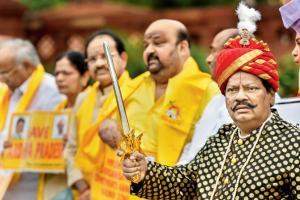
(61,105)
(100,156)
(175,114)
(88,141)
(64,103)
(35,80)
(4,102)
(84,114)
(187,93)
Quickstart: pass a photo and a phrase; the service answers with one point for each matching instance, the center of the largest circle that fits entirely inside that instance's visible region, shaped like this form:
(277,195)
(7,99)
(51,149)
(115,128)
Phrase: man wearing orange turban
(254,58)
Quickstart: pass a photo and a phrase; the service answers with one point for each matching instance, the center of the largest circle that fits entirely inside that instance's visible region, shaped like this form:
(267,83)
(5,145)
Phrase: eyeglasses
(101,56)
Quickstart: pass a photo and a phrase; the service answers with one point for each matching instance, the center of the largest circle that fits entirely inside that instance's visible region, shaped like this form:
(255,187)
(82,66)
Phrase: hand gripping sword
(129,143)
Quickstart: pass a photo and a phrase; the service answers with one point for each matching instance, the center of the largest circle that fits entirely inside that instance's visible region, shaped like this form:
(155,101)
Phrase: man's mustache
(100,68)
(244,103)
(152,56)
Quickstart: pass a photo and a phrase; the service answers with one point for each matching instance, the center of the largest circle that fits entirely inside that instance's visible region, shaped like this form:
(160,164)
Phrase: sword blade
(117,91)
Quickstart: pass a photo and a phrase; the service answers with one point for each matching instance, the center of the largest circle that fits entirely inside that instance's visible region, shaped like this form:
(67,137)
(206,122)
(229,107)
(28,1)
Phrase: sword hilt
(130,144)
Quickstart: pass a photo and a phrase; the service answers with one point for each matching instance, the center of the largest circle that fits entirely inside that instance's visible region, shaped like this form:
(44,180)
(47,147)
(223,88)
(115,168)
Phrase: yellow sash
(91,144)
(61,105)
(84,114)
(100,156)
(175,114)
(4,103)
(188,93)
(41,187)
(88,141)
(34,83)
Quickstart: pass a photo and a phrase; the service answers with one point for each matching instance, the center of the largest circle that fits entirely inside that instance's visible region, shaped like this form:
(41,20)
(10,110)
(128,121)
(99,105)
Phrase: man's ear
(124,57)
(184,48)
(28,65)
(184,45)
(272,102)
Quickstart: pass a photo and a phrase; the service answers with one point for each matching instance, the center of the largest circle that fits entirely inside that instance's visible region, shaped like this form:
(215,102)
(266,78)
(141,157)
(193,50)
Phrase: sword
(117,91)
(130,143)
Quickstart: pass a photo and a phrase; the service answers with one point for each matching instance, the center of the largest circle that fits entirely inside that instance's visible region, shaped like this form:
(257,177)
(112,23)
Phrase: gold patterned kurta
(273,171)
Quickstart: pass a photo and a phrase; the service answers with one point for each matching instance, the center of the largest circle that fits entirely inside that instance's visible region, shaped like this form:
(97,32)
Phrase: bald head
(221,38)
(169,22)
(175,26)
(217,45)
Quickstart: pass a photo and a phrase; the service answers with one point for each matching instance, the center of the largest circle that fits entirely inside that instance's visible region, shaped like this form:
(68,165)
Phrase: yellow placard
(37,141)
(108,181)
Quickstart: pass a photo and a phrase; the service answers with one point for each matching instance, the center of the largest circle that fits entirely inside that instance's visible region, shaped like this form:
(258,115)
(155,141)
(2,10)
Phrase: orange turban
(254,58)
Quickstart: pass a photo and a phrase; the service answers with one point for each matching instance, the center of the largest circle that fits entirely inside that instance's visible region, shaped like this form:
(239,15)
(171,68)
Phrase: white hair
(24,51)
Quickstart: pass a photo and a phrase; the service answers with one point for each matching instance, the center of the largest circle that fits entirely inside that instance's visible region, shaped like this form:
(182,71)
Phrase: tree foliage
(42,4)
(288,74)
(160,4)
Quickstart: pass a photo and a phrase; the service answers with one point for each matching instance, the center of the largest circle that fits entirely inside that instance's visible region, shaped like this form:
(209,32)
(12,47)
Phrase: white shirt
(45,99)
(288,109)
(213,117)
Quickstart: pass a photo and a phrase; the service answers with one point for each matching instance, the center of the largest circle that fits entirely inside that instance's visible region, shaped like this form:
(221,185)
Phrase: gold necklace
(245,164)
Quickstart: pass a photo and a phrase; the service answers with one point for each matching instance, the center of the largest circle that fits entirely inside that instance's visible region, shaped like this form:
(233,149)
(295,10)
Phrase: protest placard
(108,181)
(36,141)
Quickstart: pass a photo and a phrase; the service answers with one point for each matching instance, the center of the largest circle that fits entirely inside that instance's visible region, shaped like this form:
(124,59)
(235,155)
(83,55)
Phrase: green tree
(288,74)
(42,4)
(160,4)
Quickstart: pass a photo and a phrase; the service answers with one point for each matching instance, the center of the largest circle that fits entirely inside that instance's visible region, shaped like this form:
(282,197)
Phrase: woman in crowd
(71,76)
